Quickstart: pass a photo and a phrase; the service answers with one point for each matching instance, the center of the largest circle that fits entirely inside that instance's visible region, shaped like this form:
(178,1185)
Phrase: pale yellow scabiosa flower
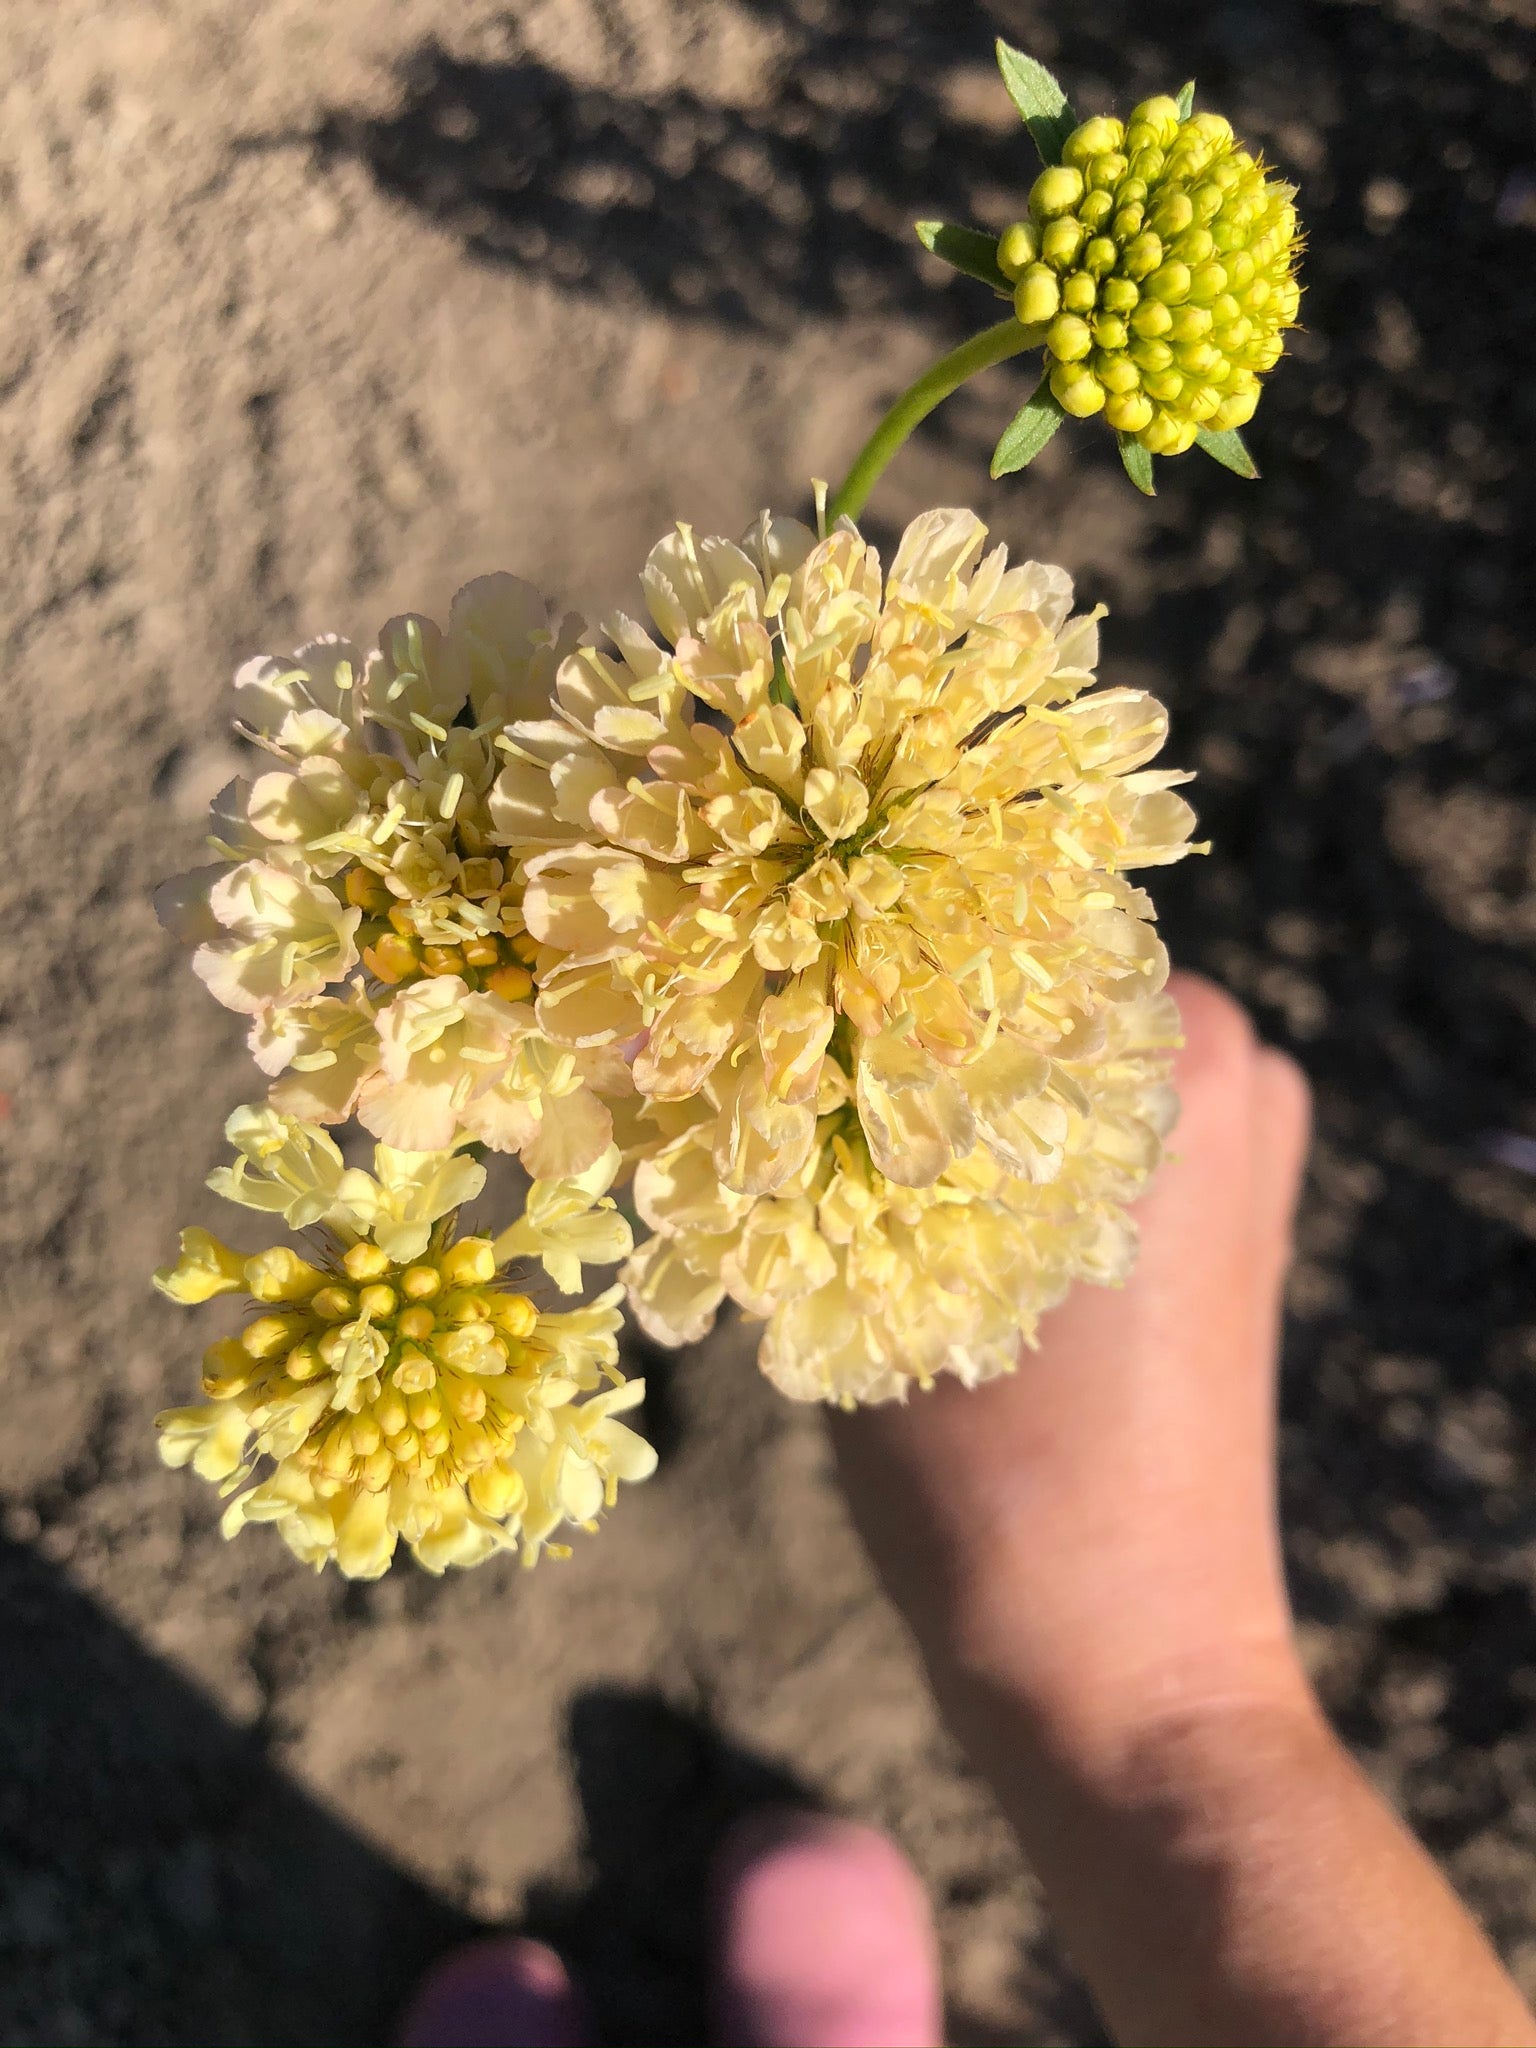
(391,1383)
(363,914)
(855,875)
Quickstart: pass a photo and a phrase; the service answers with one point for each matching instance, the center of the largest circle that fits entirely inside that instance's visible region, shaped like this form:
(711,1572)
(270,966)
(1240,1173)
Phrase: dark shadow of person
(161,1880)
(660,1789)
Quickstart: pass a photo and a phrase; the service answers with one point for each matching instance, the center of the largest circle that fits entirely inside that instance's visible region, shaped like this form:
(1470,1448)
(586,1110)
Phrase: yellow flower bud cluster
(420,1398)
(1160,258)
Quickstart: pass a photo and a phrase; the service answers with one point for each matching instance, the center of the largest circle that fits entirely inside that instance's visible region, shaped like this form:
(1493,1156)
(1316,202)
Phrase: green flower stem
(995,345)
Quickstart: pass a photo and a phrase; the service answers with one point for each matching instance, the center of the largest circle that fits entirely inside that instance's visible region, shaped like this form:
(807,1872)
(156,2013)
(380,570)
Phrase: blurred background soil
(314,311)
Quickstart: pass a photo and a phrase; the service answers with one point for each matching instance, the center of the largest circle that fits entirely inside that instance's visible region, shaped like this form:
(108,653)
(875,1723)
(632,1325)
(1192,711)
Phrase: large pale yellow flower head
(391,1383)
(850,841)
(362,914)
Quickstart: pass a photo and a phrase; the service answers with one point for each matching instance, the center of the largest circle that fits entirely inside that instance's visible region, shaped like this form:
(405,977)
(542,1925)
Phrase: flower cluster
(363,913)
(845,860)
(823,877)
(1163,259)
(392,1385)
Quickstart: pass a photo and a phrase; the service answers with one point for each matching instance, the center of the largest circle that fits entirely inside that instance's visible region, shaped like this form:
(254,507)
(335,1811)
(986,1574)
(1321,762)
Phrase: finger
(496,1991)
(825,1936)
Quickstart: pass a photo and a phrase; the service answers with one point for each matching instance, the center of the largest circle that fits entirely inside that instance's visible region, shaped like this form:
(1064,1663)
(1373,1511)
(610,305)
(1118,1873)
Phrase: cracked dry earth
(313,313)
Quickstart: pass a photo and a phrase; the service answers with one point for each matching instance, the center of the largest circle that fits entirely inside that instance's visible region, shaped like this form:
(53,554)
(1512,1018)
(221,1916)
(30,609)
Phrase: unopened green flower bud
(1119,295)
(1017,247)
(1129,411)
(1080,292)
(1077,390)
(1056,191)
(1116,372)
(1093,138)
(1037,295)
(1069,339)
(1061,241)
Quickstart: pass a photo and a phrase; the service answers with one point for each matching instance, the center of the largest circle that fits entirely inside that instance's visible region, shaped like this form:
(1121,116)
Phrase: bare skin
(1087,1554)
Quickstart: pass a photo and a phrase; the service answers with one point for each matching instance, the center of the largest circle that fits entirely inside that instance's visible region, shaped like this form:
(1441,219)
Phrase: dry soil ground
(315,310)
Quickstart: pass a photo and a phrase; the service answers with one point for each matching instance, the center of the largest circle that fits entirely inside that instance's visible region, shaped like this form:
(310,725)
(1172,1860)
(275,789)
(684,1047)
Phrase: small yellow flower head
(366,909)
(393,1384)
(1164,259)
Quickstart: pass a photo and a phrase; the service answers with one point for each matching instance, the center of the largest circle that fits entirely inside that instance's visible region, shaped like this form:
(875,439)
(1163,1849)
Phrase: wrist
(1095,1703)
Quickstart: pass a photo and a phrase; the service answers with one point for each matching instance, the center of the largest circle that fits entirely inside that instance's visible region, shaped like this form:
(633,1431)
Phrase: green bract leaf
(1138,464)
(1040,100)
(1186,101)
(779,691)
(966,249)
(1229,449)
(1028,431)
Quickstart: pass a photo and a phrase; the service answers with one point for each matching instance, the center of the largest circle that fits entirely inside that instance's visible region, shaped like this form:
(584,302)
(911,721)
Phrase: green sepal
(1138,464)
(1028,431)
(1042,104)
(1186,101)
(966,249)
(1229,449)
(779,690)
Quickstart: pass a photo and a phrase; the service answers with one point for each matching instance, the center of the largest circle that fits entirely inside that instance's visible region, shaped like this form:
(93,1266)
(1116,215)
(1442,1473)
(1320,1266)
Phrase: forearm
(1224,1873)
